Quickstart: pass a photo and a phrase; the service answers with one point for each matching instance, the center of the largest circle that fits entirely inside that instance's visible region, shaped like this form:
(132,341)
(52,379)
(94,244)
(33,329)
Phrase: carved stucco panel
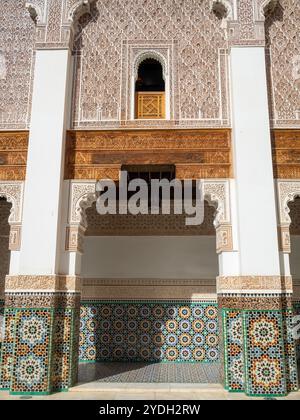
(13,192)
(287,191)
(82,194)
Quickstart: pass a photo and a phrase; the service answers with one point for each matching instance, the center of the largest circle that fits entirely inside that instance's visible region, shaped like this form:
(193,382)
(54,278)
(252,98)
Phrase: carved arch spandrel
(287,192)
(229,7)
(83,195)
(76,8)
(263,6)
(13,192)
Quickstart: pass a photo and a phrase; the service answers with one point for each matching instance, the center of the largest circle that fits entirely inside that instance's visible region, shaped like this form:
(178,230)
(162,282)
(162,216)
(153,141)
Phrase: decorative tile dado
(40,348)
(296,310)
(264,353)
(233,350)
(290,350)
(260,353)
(7,347)
(178,331)
(197,154)
(32,351)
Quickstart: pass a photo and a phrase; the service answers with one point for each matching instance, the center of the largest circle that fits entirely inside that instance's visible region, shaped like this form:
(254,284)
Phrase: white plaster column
(229,262)
(70,261)
(255,197)
(40,245)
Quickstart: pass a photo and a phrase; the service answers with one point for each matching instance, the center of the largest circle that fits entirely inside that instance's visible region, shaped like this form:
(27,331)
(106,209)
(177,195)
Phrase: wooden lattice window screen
(150,105)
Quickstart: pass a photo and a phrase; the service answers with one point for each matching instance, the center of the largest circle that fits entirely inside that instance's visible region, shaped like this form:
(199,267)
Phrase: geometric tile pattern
(40,349)
(290,351)
(233,349)
(6,357)
(264,353)
(141,372)
(296,309)
(32,351)
(61,349)
(134,331)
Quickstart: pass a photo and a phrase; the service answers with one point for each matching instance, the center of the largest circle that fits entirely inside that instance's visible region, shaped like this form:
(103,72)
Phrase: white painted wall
(295,256)
(41,212)
(150,257)
(258,243)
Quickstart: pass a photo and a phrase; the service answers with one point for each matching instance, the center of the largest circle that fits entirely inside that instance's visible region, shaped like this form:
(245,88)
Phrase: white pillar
(40,246)
(229,261)
(256,210)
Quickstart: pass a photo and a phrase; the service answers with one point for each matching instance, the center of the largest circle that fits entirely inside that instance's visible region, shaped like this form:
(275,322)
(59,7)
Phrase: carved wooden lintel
(286,153)
(13,155)
(196,153)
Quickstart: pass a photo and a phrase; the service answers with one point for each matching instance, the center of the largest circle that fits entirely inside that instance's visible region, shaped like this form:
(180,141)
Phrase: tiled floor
(142,392)
(208,373)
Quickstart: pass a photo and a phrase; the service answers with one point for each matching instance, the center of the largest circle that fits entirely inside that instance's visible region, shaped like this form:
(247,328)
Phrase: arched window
(150,90)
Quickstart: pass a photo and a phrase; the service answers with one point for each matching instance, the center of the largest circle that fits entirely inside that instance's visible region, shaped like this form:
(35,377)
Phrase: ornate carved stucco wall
(187,34)
(190,37)
(283,63)
(17,38)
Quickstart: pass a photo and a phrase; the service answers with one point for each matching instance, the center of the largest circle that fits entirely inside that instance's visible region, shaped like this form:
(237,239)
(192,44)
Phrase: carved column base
(40,348)
(259,348)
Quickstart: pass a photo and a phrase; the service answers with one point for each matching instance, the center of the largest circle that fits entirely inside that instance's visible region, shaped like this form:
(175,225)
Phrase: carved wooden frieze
(13,155)
(286,153)
(195,153)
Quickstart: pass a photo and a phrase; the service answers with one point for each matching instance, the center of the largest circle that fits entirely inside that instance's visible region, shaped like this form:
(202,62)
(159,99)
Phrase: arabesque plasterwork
(254,284)
(197,68)
(283,63)
(35,283)
(200,96)
(83,195)
(287,192)
(13,193)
